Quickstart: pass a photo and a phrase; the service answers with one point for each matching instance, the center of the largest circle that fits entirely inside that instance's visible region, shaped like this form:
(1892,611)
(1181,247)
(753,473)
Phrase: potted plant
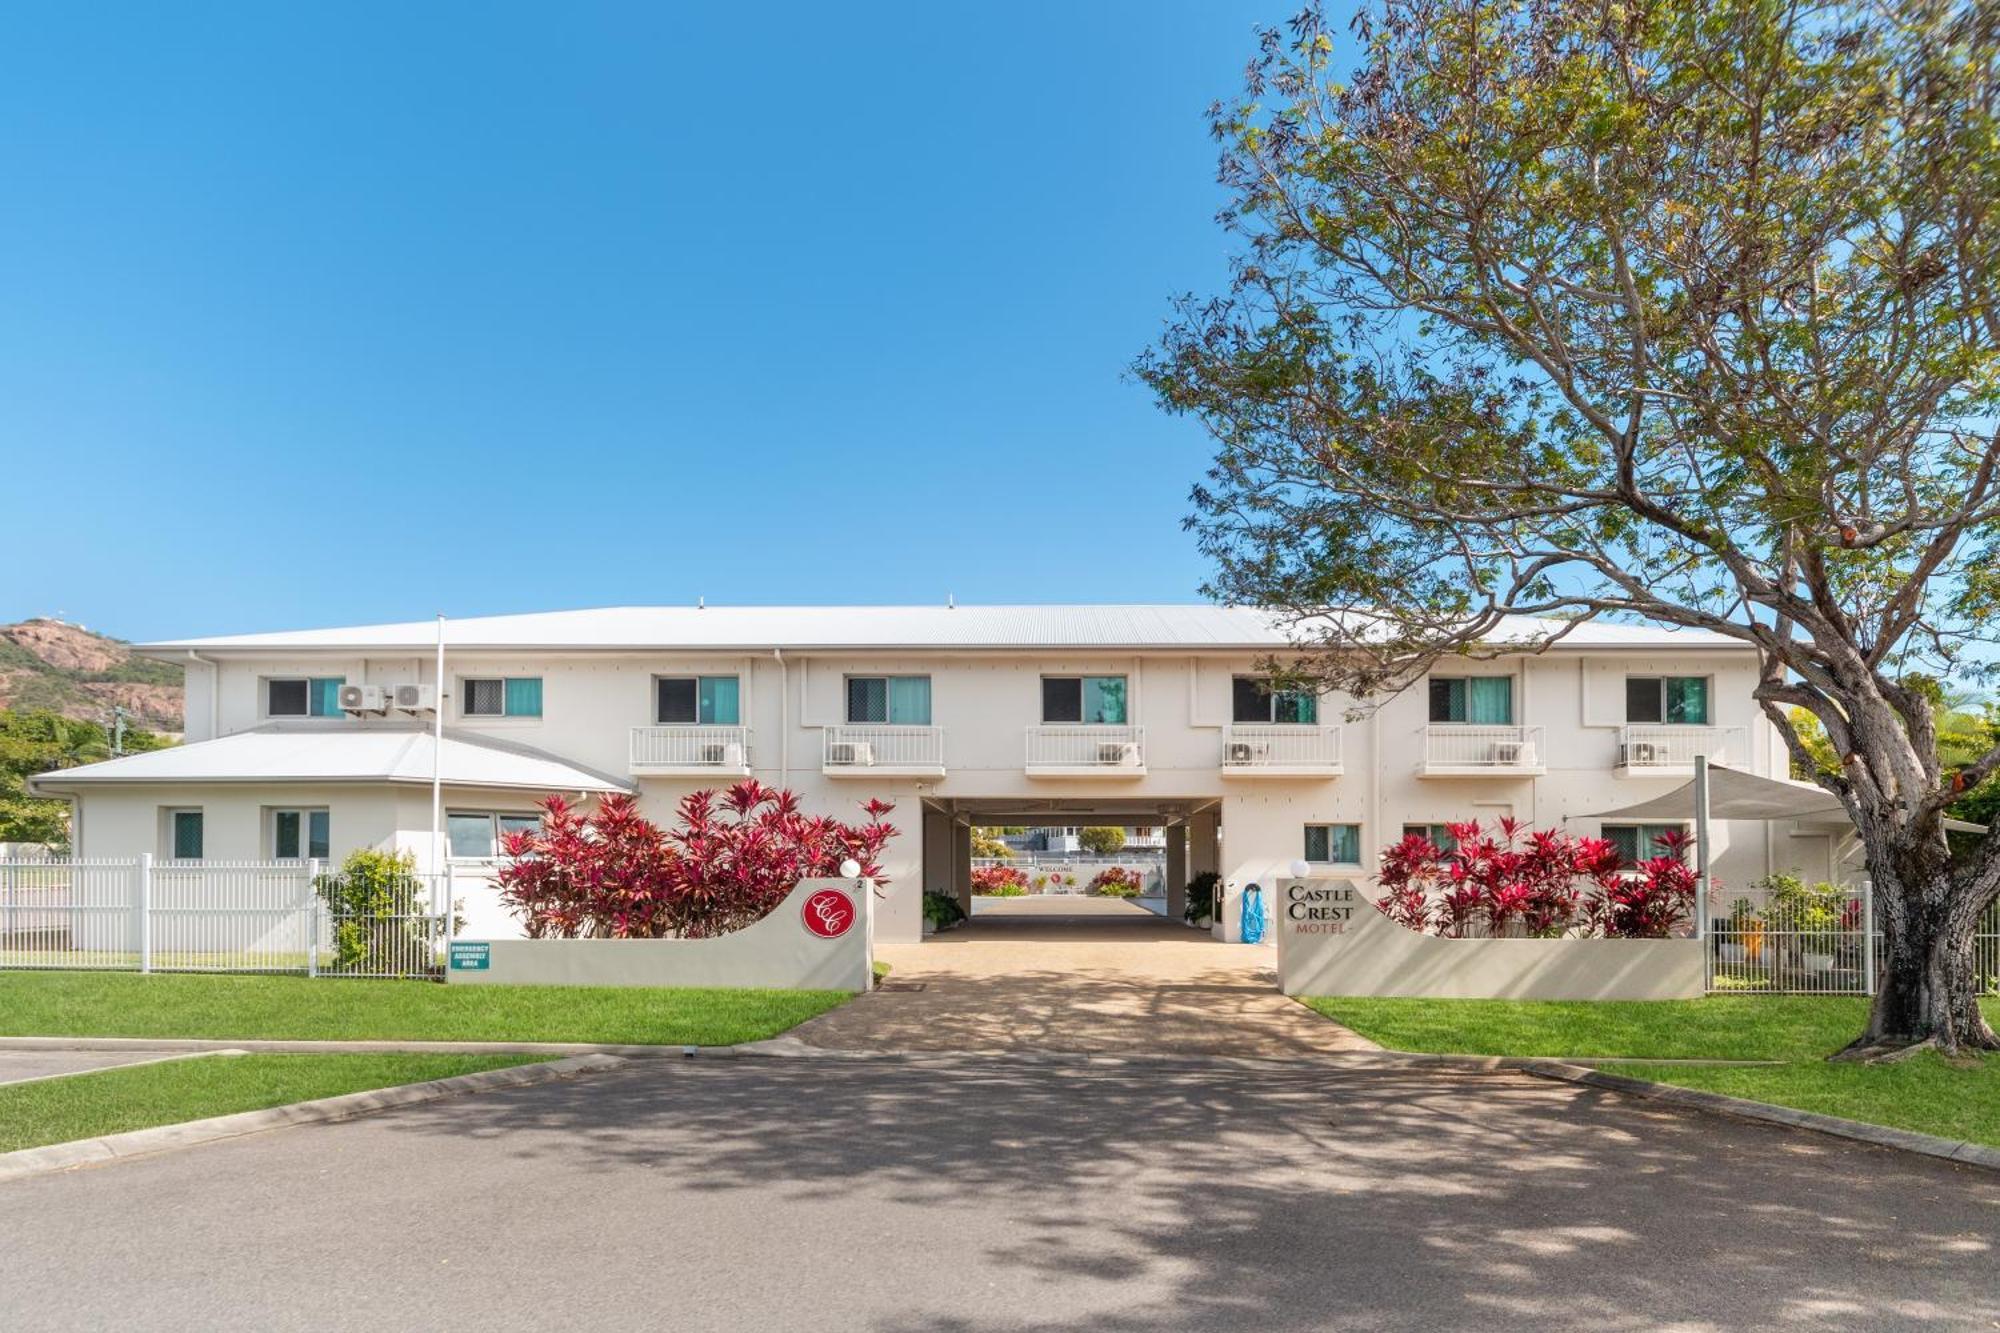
(1200,909)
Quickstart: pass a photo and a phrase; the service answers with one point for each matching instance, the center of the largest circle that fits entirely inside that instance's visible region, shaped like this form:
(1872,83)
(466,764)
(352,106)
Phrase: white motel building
(314,743)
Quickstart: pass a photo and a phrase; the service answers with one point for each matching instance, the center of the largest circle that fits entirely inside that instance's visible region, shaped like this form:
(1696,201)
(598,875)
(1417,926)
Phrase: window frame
(1646,846)
(305,814)
(695,679)
(1270,697)
(1082,679)
(494,832)
(312,693)
(1329,826)
(465,684)
(171,833)
(1431,697)
(888,678)
(1661,683)
(1439,834)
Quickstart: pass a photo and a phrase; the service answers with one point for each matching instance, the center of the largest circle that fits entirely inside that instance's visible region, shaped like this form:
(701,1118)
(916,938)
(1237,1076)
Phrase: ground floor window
(184,829)
(1439,834)
(300,834)
(1333,844)
(478,833)
(1638,842)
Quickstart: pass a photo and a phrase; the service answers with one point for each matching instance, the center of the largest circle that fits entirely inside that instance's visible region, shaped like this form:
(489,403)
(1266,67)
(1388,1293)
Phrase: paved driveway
(975,1195)
(1091,975)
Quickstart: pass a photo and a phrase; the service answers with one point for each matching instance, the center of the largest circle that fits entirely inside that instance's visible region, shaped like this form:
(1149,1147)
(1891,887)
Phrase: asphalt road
(988,1193)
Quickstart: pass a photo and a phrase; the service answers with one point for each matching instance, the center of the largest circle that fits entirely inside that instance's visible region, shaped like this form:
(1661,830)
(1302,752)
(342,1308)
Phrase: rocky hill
(55,665)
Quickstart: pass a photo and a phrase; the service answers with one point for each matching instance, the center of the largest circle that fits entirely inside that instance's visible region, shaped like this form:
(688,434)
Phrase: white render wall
(985,702)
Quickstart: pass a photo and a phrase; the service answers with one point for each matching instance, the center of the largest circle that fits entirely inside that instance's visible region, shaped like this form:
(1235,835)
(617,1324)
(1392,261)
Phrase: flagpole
(1701,846)
(437,760)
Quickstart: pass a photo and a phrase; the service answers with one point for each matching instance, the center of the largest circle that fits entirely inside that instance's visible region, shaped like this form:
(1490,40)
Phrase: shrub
(377,904)
(942,910)
(613,874)
(1116,882)
(1000,881)
(1201,896)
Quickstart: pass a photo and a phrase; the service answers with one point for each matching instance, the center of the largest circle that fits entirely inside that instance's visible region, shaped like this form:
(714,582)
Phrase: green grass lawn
(1924,1093)
(1927,1093)
(89,1004)
(114,1100)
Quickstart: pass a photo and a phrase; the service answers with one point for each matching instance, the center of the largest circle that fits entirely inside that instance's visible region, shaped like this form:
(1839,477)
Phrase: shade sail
(1737,795)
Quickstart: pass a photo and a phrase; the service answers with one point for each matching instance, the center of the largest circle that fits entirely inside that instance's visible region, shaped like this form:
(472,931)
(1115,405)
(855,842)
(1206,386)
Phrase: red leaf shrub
(1540,883)
(614,874)
(1002,880)
(1116,882)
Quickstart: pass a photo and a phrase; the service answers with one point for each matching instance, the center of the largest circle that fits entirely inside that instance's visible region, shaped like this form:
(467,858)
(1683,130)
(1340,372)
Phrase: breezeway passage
(1079,974)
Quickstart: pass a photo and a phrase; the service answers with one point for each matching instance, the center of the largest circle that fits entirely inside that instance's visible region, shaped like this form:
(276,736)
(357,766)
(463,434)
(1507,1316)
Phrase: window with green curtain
(187,835)
(323,695)
(1447,698)
(319,835)
(910,701)
(285,829)
(867,699)
(1638,842)
(523,696)
(1104,700)
(1295,706)
(1687,700)
(1489,700)
(1333,844)
(716,705)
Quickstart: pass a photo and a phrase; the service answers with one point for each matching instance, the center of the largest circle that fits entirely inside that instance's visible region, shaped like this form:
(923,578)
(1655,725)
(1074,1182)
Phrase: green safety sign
(471,956)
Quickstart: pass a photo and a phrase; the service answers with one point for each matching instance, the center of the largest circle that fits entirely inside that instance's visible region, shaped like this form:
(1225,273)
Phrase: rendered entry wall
(1333,941)
(805,944)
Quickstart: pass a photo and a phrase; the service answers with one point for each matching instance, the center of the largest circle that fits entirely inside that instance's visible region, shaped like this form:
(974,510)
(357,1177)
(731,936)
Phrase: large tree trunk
(1930,984)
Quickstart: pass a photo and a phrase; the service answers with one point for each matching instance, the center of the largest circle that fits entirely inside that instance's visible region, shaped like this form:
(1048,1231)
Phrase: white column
(1177,870)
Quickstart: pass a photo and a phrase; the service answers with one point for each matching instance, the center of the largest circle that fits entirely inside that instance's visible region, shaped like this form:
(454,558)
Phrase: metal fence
(1822,947)
(142,915)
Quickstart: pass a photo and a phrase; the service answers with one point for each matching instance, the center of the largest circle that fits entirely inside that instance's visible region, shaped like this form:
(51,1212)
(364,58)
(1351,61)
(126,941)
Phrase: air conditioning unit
(1641,754)
(1241,752)
(416,698)
(854,754)
(1514,754)
(1118,754)
(363,699)
(722,754)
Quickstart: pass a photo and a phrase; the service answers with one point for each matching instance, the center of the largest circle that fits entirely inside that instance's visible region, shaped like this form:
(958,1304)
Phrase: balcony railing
(1280,751)
(1671,749)
(1086,751)
(1453,749)
(690,749)
(861,751)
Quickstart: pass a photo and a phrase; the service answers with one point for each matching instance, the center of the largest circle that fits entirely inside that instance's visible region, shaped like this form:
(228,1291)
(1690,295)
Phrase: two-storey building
(310,744)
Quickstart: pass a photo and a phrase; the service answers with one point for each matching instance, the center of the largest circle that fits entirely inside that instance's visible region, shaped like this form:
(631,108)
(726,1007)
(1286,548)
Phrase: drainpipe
(214,692)
(784,717)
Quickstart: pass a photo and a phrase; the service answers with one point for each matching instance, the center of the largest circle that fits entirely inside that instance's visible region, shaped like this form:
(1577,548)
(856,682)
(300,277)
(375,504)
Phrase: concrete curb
(162,1138)
(373,1046)
(1859,1131)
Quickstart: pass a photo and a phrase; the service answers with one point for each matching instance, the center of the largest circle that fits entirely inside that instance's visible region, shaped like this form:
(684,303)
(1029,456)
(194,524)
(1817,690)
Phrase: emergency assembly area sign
(829,913)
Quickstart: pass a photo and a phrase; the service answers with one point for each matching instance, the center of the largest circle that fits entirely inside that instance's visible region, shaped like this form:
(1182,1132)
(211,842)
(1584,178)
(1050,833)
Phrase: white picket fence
(143,915)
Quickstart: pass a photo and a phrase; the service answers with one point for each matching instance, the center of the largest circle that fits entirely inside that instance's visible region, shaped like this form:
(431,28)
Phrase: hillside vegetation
(52,666)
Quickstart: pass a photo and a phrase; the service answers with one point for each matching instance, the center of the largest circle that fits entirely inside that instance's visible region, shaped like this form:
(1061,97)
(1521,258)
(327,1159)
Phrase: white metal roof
(292,753)
(1172,627)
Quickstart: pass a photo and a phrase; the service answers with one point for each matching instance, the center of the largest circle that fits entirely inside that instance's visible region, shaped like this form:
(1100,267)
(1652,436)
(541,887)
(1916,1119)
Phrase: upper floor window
(708,701)
(299,834)
(1672,699)
(1638,842)
(1333,844)
(1253,700)
(303,696)
(1093,700)
(1480,700)
(481,833)
(184,835)
(898,701)
(503,696)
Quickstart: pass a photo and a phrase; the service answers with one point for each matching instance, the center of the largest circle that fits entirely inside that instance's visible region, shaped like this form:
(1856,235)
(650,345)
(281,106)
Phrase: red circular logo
(829,913)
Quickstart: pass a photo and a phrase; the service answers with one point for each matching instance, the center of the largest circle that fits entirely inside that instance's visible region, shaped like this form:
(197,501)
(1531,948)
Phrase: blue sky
(317,315)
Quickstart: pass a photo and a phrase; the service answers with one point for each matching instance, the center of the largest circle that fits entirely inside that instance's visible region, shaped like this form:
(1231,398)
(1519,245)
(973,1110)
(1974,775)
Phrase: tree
(38,741)
(1553,312)
(986,842)
(1102,841)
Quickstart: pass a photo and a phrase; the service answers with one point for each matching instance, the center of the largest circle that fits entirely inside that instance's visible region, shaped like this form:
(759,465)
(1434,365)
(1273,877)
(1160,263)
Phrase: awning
(1736,795)
(290,752)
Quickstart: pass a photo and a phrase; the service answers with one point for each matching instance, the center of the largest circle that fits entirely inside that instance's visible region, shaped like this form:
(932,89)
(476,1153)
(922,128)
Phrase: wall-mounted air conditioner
(1119,754)
(1641,754)
(857,754)
(363,699)
(1514,754)
(416,698)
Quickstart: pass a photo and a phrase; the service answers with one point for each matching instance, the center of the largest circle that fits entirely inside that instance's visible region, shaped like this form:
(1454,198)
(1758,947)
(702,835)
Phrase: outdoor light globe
(1301,869)
(850,869)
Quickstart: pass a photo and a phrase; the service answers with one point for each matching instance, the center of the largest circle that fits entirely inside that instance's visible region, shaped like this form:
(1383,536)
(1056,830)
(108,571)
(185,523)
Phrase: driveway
(1087,975)
(986,1194)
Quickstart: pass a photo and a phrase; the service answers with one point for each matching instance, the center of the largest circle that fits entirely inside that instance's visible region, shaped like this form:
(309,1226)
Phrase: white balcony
(1457,750)
(883,752)
(1086,751)
(1668,751)
(1279,751)
(690,751)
